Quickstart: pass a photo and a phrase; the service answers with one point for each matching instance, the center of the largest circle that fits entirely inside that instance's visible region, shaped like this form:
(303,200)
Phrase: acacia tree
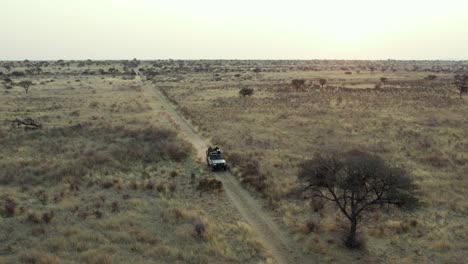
(26,85)
(383,80)
(322,82)
(356,182)
(461,81)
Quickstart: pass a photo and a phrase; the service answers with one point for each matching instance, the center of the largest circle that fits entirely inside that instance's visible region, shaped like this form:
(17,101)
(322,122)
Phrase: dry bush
(209,184)
(311,226)
(47,217)
(298,83)
(145,236)
(42,197)
(108,149)
(38,257)
(317,203)
(199,229)
(440,245)
(33,218)
(38,230)
(245,91)
(9,208)
(249,170)
(94,256)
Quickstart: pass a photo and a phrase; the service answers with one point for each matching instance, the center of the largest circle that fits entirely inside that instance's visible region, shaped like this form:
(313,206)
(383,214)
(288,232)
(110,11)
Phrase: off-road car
(215,159)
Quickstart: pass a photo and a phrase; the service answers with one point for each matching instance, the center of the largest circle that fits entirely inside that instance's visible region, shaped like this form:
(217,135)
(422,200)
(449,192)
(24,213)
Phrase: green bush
(246,92)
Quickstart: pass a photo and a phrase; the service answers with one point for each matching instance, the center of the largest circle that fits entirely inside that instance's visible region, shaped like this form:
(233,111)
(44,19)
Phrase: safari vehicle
(215,159)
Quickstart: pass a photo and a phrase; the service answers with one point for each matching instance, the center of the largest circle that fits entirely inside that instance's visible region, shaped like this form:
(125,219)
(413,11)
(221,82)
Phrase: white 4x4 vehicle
(215,160)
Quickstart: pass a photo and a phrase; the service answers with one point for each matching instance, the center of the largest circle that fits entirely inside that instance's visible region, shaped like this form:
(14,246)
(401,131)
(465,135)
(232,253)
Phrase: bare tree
(356,182)
(461,81)
(26,85)
(322,82)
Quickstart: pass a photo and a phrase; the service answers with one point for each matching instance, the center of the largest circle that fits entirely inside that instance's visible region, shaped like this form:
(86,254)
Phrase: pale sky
(236,29)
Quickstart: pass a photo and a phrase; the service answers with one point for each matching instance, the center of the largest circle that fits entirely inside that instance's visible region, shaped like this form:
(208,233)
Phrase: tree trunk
(351,239)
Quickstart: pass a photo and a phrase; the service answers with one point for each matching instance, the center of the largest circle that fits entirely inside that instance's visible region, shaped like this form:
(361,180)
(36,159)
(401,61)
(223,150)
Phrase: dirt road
(277,241)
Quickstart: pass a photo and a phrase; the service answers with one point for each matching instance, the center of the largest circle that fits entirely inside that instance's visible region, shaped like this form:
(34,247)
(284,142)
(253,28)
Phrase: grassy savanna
(393,109)
(106,179)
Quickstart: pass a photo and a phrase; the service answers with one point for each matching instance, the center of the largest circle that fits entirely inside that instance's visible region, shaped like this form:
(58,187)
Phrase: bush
(199,229)
(246,92)
(9,208)
(298,83)
(209,184)
(249,171)
(110,149)
(18,74)
(430,77)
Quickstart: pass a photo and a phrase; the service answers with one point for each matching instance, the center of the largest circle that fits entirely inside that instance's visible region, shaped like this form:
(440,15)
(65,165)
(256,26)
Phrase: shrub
(110,149)
(209,184)
(199,229)
(47,217)
(461,82)
(115,207)
(33,218)
(431,77)
(246,91)
(384,80)
(310,226)
(37,257)
(322,82)
(10,208)
(297,83)
(17,73)
(249,171)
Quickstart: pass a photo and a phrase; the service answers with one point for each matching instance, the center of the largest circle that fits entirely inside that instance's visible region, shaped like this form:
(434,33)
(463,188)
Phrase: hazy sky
(237,29)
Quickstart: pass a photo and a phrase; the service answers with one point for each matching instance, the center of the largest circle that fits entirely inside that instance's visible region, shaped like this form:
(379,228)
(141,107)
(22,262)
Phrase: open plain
(103,161)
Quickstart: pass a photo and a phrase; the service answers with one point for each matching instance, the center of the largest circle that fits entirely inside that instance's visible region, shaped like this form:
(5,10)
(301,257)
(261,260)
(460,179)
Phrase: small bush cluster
(246,92)
(249,171)
(109,149)
(9,208)
(298,83)
(199,229)
(209,184)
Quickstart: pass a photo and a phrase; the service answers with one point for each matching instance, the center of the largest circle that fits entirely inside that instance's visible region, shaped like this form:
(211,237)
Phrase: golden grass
(115,196)
(412,122)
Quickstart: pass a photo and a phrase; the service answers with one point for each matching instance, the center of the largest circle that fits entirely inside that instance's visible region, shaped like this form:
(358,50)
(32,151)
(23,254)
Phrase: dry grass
(411,121)
(106,180)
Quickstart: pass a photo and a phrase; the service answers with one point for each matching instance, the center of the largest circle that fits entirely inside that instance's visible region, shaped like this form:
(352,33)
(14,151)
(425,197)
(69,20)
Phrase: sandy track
(278,242)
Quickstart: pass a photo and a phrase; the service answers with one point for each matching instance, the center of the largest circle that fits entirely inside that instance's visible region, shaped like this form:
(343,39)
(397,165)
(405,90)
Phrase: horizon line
(225,59)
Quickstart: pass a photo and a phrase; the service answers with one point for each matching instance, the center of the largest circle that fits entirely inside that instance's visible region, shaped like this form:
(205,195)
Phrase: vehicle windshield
(216,156)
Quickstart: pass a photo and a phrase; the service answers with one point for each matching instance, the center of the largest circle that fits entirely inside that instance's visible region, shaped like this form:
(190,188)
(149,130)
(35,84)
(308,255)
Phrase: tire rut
(278,242)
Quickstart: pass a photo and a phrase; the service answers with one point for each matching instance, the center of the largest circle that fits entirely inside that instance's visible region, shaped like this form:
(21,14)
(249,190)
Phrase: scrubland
(106,179)
(411,120)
